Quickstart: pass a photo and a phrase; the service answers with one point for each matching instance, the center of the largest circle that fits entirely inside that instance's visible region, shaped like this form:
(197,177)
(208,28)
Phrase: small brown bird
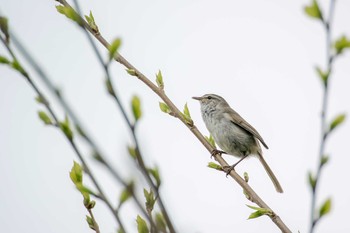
(232,133)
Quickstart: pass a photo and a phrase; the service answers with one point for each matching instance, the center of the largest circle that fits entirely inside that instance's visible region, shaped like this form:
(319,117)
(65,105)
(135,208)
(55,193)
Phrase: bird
(234,135)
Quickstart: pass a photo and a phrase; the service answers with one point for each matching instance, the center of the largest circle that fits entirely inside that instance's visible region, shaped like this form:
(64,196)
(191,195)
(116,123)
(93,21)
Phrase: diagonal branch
(101,194)
(131,127)
(176,113)
(99,155)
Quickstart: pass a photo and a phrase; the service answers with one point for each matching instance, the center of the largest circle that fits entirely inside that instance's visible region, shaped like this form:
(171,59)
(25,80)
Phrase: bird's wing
(235,118)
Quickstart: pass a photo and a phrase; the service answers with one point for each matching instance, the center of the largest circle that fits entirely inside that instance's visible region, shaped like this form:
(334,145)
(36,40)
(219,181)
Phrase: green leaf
(337,121)
(132,152)
(164,107)
(124,196)
(187,111)
(91,21)
(253,207)
(312,180)
(259,212)
(150,200)
(45,118)
(126,193)
(132,72)
(326,207)
(80,131)
(136,107)
(341,44)
(246,176)
(211,141)
(313,10)
(90,222)
(84,189)
(160,222)
(324,160)
(113,48)
(17,66)
(70,14)
(187,115)
(159,80)
(256,214)
(5,28)
(141,225)
(120,230)
(41,100)
(247,195)
(76,174)
(155,174)
(86,196)
(65,127)
(323,75)
(109,87)
(215,166)
(4,60)
(98,157)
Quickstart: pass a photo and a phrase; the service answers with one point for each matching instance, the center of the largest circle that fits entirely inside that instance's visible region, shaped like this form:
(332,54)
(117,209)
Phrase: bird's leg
(228,169)
(216,151)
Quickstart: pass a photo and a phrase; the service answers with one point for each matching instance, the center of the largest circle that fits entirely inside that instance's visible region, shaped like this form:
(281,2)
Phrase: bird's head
(210,100)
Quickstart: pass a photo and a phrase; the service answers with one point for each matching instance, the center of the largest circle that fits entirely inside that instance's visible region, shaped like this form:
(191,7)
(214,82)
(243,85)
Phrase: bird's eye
(209,97)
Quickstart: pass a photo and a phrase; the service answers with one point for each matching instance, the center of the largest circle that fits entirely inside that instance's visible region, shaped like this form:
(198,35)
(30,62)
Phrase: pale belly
(232,139)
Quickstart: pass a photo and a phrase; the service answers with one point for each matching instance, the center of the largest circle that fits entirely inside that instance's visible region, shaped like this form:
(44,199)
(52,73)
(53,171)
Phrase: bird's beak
(197,98)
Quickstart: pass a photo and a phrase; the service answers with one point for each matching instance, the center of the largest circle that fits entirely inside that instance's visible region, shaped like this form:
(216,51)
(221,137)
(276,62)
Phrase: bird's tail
(270,173)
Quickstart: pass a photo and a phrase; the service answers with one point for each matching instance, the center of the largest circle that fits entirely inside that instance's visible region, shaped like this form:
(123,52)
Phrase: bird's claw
(228,169)
(216,151)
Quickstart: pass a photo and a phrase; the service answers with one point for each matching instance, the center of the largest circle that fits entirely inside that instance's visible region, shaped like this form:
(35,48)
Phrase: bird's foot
(228,169)
(216,151)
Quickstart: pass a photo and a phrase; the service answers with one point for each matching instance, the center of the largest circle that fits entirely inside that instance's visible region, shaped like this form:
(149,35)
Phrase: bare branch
(324,129)
(177,113)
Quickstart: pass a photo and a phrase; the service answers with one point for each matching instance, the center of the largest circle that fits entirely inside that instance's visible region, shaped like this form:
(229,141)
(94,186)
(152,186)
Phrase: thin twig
(71,141)
(128,122)
(176,113)
(77,122)
(102,195)
(96,227)
(324,130)
(131,126)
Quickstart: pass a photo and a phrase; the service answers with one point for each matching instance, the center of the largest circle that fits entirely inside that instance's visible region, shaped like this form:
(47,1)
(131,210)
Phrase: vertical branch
(324,127)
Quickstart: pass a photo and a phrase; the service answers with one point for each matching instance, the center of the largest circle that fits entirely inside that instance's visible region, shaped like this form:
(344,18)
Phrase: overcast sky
(259,55)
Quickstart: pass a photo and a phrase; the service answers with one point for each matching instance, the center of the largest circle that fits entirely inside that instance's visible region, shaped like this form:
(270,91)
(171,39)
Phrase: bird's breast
(231,138)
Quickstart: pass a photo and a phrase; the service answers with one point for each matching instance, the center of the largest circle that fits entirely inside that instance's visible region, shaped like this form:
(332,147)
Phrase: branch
(113,93)
(94,224)
(99,155)
(131,127)
(70,139)
(324,129)
(176,113)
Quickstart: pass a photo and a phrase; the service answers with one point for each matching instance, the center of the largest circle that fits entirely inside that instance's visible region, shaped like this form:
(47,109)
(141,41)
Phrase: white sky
(259,55)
